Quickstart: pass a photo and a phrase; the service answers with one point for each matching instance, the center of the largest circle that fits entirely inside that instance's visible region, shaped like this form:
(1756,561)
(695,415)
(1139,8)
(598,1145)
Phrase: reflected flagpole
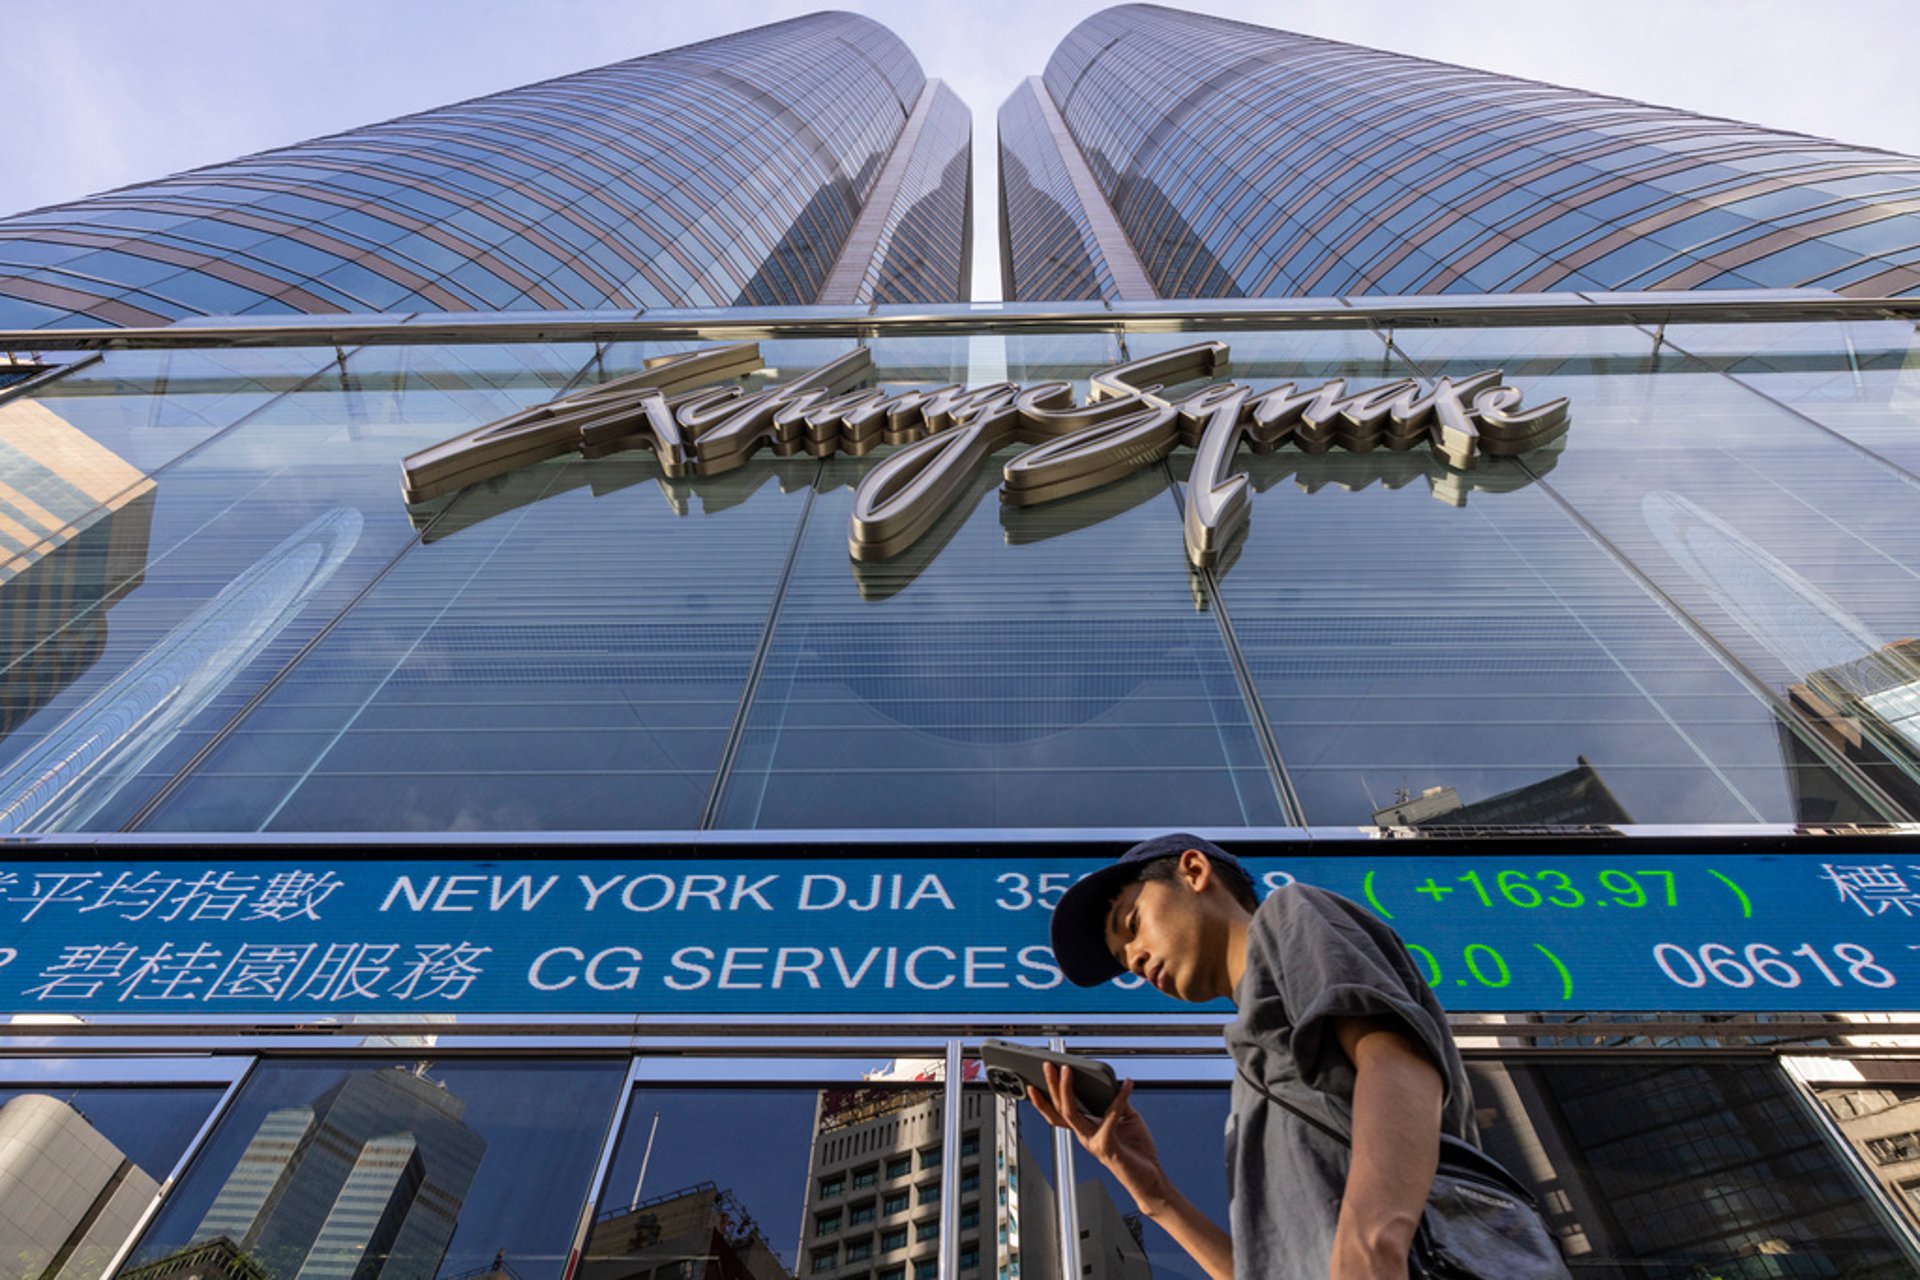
(646,1157)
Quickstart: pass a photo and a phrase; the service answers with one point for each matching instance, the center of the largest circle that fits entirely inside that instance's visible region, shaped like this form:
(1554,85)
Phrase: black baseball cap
(1080,919)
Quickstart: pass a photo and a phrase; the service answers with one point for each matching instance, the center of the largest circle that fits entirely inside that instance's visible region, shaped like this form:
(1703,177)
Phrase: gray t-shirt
(1314,957)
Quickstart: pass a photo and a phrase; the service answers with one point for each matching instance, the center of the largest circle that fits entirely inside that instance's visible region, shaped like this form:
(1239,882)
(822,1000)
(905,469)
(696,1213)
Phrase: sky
(101,93)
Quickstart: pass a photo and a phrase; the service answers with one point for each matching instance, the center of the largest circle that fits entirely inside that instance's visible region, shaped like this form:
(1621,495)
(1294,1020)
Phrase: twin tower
(811,162)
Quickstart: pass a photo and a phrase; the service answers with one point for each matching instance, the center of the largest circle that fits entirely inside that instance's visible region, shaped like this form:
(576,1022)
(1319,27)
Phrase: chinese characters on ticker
(828,934)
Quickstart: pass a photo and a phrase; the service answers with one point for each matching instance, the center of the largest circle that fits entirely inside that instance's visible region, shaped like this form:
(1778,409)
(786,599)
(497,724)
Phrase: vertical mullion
(736,733)
(948,1267)
(602,1168)
(1282,781)
(194,1144)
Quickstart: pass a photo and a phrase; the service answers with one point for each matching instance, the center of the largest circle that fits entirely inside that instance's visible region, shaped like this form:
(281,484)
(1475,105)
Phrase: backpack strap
(1457,1157)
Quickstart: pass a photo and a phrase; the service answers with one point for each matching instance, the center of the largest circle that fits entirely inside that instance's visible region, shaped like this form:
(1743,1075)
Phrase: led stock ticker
(820,932)
(1667,903)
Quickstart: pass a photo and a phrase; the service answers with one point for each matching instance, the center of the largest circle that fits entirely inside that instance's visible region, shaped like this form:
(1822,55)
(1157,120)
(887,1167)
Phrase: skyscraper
(1168,154)
(663,709)
(68,1196)
(808,159)
(367,1180)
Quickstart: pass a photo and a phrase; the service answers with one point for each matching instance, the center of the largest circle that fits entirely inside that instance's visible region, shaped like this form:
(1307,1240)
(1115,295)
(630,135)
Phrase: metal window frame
(1901,1225)
(1161,1059)
(1729,306)
(229,1072)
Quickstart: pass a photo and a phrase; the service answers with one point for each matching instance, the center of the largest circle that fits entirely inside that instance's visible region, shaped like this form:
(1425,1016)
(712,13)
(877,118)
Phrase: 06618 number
(1757,962)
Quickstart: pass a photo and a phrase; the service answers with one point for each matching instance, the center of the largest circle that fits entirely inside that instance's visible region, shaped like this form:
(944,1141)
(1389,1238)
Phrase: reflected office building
(1676,1170)
(365,1182)
(1877,1108)
(68,1196)
(874,1182)
(75,523)
(875,1189)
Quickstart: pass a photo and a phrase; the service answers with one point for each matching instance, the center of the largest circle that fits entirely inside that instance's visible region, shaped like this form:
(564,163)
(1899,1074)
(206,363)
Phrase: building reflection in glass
(770,1183)
(1875,1104)
(389,1170)
(873,1186)
(1682,1171)
(1577,797)
(75,522)
(68,1195)
(1861,694)
(701,1232)
(65,779)
(366,1182)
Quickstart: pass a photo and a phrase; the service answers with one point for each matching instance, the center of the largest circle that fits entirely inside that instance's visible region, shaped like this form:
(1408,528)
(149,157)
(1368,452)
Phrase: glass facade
(1693,608)
(1048,249)
(744,728)
(607,1166)
(414,1168)
(925,247)
(1248,162)
(225,622)
(723,173)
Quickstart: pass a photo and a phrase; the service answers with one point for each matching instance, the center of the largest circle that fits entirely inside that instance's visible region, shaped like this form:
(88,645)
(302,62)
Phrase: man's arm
(1121,1141)
(1397,1098)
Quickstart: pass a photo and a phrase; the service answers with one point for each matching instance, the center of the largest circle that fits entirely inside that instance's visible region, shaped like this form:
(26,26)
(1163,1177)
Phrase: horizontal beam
(774,1036)
(1726,306)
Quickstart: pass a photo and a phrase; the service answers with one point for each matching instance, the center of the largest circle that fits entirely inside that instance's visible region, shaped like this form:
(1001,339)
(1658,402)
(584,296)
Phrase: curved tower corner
(1242,161)
(729,172)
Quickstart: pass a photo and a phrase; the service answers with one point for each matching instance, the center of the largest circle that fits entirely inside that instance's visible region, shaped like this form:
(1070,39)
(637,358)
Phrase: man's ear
(1196,868)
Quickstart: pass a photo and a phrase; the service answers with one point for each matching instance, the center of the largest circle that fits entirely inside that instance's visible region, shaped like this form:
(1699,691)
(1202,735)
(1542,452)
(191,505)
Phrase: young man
(1333,1016)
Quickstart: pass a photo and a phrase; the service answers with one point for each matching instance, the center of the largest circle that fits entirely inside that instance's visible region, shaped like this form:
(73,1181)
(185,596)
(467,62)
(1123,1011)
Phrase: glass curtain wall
(85,1151)
(758,1166)
(1698,607)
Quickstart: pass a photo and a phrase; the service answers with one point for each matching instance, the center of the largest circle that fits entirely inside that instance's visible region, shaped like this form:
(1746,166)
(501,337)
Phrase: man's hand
(1397,1095)
(1120,1141)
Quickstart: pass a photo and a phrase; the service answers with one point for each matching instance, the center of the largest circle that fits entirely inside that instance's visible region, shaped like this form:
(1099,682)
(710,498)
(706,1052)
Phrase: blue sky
(99,93)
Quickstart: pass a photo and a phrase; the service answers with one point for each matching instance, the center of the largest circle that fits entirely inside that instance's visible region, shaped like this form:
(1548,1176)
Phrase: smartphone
(1012,1067)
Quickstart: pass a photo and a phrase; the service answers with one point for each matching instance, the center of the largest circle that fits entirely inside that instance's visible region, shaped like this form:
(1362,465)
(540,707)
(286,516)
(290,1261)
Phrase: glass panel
(1683,1170)
(187,593)
(149,407)
(80,1164)
(396,1168)
(564,648)
(1044,666)
(1875,1104)
(1453,641)
(711,1182)
(1796,553)
(1859,379)
(1058,357)
(1116,1241)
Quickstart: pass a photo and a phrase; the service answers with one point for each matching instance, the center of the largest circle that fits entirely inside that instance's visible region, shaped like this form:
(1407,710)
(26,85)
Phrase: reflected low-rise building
(695,1233)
